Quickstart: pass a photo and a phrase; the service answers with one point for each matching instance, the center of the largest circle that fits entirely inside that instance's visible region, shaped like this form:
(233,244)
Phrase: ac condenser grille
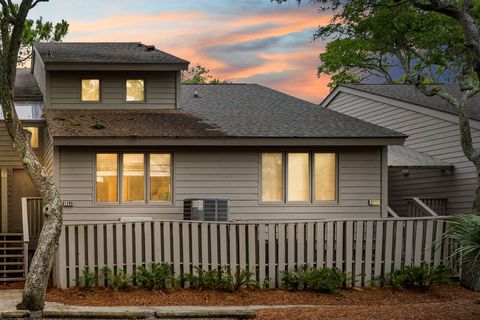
(205,209)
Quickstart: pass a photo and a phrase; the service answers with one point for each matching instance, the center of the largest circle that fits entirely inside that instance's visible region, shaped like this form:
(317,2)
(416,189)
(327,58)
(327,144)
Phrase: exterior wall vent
(205,209)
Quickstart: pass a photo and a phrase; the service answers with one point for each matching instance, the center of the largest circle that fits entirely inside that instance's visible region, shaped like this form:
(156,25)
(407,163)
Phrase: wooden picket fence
(367,248)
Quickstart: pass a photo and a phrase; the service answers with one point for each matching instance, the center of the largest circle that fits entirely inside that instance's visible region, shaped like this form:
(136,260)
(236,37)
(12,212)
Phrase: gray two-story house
(124,139)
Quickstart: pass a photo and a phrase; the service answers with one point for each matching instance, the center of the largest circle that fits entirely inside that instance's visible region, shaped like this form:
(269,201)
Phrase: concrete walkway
(10,298)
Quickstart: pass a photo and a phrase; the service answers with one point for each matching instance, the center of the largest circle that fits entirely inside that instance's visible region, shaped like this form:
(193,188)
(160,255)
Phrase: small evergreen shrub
(87,281)
(419,277)
(326,280)
(158,276)
(117,280)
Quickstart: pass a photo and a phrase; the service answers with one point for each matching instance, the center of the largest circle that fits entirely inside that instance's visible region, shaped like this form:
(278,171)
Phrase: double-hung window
(133,177)
(298,177)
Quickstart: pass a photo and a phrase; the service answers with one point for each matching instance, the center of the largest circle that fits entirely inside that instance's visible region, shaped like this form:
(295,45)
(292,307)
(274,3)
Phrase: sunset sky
(252,41)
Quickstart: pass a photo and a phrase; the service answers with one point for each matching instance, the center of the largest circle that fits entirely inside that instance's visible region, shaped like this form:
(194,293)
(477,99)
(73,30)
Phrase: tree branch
(36,2)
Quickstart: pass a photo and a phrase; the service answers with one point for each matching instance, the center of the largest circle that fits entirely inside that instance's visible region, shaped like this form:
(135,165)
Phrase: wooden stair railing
(13,257)
(418,208)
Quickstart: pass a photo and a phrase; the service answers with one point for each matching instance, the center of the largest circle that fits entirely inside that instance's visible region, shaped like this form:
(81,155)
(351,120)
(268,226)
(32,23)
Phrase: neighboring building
(431,164)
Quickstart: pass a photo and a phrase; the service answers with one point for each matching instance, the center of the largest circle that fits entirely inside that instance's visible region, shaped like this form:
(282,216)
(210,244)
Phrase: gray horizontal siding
(431,135)
(229,174)
(65,89)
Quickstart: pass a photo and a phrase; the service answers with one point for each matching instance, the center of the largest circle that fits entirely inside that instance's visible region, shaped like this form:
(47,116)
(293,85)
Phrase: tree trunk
(470,276)
(476,200)
(37,279)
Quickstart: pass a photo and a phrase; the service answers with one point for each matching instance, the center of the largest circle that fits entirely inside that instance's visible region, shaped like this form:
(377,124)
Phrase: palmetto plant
(465,231)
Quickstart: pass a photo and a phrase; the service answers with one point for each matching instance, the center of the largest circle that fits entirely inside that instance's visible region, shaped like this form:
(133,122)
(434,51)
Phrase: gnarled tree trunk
(12,22)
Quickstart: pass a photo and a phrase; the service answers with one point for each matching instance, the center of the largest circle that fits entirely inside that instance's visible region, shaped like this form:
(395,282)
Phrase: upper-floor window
(135,90)
(306,177)
(90,90)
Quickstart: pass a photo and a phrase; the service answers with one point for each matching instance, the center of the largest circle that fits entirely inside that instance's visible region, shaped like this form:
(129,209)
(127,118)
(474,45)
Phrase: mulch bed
(179,297)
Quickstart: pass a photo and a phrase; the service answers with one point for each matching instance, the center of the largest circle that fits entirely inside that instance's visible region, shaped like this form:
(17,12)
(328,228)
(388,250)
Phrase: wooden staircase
(13,257)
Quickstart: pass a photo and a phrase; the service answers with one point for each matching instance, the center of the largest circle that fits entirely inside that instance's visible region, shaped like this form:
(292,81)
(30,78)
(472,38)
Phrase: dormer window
(135,90)
(91,90)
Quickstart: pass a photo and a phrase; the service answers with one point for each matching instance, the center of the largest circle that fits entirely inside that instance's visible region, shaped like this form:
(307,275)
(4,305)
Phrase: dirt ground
(441,302)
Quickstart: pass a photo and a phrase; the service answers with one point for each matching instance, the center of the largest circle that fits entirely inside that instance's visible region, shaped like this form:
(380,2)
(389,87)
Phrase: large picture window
(309,177)
(137,180)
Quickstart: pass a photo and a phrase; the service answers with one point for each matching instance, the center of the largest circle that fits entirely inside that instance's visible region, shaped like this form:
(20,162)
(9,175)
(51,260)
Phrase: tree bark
(12,24)
(470,276)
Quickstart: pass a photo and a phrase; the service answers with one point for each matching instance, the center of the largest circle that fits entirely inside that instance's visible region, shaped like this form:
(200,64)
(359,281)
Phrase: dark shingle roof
(103,52)
(237,111)
(26,86)
(408,93)
(251,110)
(126,123)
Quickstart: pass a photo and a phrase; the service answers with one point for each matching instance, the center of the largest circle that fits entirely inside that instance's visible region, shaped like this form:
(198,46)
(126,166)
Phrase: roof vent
(149,48)
(49,53)
(196,95)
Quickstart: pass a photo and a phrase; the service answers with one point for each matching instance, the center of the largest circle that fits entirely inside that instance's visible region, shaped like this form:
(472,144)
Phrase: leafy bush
(222,279)
(420,277)
(326,280)
(87,281)
(156,277)
(117,280)
(464,230)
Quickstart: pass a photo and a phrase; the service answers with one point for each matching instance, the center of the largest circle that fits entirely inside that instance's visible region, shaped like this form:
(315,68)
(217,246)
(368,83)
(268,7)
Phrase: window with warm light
(137,179)
(91,90)
(133,177)
(272,177)
(160,177)
(311,177)
(135,90)
(298,187)
(34,138)
(107,177)
(325,177)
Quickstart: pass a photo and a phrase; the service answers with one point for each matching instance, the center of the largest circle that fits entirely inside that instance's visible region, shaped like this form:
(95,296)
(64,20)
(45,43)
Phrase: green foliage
(222,279)
(390,41)
(419,277)
(464,230)
(156,277)
(117,280)
(40,31)
(98,125)
(326,280)
(87,281)
(198,74)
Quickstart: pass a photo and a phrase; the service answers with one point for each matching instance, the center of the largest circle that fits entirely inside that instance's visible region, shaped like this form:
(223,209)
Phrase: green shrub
(87,281)
(222,279)
(326,280)
(117,280)
(419,277)
(158,276)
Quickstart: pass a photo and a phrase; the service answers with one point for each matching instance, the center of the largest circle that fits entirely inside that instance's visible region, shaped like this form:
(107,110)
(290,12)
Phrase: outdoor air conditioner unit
(205,209)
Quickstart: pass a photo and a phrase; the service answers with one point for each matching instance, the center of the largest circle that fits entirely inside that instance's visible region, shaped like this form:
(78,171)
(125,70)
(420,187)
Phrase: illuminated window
(135,90)
(298,188)
(91,90)
(34,136)
(160,177)
(272,177)
(310,177)
(107,177)
(325,178)
(133,177)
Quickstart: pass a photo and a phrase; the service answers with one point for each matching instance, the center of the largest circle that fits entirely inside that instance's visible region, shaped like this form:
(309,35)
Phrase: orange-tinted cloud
(287,64)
